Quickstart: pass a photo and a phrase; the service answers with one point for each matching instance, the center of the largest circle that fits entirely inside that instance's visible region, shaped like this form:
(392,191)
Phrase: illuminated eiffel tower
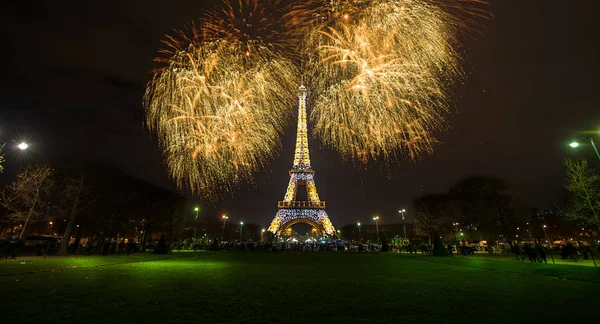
(292,211)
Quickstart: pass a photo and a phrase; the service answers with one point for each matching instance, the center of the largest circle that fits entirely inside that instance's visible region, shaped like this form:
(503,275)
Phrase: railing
(300,204)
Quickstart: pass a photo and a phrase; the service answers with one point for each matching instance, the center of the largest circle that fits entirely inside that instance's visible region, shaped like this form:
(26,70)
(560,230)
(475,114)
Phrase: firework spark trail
(220,103)
(381,71)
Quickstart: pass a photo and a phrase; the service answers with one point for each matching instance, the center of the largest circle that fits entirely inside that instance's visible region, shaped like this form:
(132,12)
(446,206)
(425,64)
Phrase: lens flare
(221,100)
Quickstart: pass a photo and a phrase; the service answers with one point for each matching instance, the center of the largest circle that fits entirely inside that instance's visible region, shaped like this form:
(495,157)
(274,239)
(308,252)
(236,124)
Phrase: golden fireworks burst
(381,72)
(220,103)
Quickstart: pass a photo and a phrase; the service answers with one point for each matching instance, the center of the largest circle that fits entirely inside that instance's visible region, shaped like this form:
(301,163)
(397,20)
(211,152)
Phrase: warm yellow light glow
(381,78)
(219,115)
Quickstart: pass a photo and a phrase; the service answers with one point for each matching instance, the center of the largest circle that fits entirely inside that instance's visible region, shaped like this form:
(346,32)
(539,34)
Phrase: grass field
(227,287)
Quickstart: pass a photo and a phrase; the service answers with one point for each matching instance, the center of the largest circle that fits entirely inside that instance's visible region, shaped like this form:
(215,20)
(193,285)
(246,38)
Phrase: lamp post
(241,229)
(22,146)
(358,231)
(339,234)
(376,219)
(224,220)
(402,211)
(545,235)
(197,209)
(262,235)
(576,145)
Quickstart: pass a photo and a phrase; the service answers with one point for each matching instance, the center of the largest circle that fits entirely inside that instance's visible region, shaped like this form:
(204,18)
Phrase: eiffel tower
(292,211)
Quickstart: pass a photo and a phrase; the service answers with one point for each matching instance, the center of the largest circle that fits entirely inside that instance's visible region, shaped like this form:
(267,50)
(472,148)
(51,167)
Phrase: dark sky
(73,75)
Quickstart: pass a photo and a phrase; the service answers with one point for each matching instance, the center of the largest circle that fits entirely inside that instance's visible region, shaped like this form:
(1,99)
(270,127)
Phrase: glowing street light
(402,211)
(196,209)
(576,144)
(359,236)
(224,220)
(376,219)
(545,234)
(262,235)
(241,229)
(22,146)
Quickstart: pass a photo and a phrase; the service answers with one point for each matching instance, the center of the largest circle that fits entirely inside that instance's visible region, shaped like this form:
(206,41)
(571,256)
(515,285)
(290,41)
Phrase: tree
(584,193)
(485,205)
(73,191)
(432,215)
(175,217)
(24,197)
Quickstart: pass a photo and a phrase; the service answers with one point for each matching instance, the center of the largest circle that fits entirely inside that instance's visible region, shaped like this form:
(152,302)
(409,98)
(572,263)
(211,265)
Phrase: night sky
(73,76)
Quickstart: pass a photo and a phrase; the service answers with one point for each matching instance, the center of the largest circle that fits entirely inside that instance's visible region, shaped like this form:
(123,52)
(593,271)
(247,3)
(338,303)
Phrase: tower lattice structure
(292,211)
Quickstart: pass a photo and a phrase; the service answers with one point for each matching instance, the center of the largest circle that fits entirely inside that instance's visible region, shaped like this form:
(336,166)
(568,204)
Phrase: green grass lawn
(228,287)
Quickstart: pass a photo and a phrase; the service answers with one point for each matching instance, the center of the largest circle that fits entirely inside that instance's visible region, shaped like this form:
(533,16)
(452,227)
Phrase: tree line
(94,201)
(482,208)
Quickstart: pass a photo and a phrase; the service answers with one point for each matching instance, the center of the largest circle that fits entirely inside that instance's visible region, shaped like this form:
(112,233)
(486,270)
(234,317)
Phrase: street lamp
(22,146)
(403,223)
(576,145)
(262,235)
(339,234)
(197,209)
(376,219)
(224,220)
(358,230)
(241,229)
(545,235)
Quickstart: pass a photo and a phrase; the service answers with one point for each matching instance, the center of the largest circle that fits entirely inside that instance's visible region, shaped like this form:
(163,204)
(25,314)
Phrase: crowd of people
(12,246)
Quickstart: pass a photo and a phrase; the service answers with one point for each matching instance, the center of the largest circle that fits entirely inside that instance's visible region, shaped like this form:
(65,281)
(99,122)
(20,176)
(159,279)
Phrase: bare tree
(485,205)
(584,189)
(174,219)
(432,215)
(74,191)
(27,193)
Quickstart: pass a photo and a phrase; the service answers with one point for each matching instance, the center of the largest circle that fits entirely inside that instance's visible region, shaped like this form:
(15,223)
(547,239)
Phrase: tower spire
(301,155)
